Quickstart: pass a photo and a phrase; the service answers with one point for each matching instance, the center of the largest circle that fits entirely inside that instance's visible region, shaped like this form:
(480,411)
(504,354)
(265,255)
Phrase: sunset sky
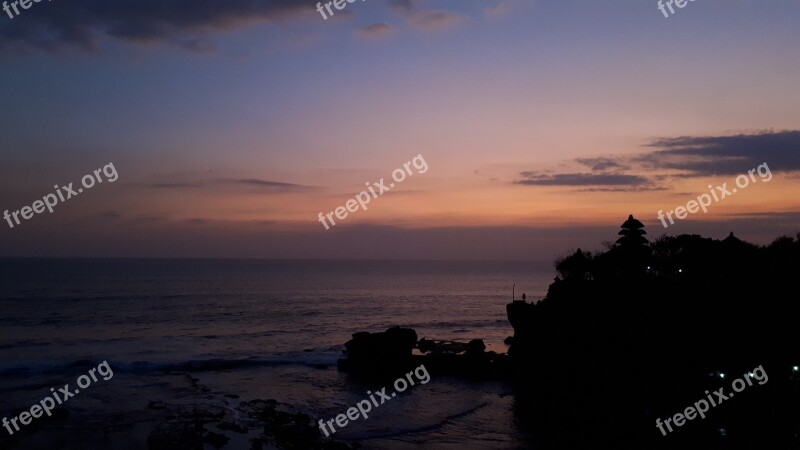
(543,123)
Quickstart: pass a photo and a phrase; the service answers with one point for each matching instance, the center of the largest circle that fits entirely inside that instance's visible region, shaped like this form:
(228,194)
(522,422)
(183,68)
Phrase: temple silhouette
(642,330)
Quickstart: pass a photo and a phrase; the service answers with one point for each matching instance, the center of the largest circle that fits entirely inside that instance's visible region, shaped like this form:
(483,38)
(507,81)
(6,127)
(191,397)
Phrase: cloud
(500,9)
(375,31)
(109,215)
(150,219)
(675,158)
(406,6)
(273,186)
(435,20)
(724,155)
(601,164)
(269,185)
(581,179)
(199,46)
(627,189)
(427,20)
(175,185)
(787,216)
(52,26)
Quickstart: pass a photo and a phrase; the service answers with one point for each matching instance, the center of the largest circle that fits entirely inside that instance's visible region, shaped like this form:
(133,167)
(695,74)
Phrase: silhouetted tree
(576,266)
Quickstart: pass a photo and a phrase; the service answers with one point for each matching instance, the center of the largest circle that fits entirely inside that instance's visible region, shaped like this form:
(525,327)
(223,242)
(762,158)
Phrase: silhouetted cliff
(642,330)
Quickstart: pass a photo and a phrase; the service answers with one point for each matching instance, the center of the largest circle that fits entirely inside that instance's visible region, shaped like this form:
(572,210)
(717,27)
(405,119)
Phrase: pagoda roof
(632,223)
(731,239)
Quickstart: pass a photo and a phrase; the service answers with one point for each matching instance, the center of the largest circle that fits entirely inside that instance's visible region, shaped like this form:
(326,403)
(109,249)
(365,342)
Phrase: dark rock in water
(425,345)
(385,355)
(380,354)
(476,347)
(391,344)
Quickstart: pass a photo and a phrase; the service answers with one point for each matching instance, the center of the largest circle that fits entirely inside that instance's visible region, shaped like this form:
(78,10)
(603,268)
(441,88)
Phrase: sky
(542,125)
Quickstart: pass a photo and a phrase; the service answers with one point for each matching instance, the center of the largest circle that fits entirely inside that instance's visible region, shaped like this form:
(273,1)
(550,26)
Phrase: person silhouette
(524,297)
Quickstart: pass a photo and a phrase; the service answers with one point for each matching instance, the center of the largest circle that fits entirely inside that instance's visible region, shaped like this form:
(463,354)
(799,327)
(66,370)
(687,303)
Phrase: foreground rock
(389,353)
(287,430)
(272,425)
(385,353)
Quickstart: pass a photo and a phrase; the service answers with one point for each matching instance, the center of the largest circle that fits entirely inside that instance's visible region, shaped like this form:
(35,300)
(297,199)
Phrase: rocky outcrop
(390,353)
(377,354)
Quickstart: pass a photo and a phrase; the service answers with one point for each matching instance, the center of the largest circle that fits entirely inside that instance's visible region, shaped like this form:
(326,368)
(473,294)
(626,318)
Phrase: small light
(680,270)
(796,368)
(721,375)
(648,267)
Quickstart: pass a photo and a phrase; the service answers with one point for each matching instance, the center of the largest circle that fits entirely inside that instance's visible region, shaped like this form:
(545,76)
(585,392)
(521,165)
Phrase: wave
(462,323)
(26,343)
(422,429)
(210,365)
(314,359)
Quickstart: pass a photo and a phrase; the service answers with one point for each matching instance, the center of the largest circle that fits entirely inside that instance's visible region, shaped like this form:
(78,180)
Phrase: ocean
(251,329)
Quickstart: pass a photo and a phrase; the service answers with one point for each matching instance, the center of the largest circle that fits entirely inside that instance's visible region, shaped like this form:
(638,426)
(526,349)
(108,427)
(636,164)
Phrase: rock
(385,355)
(476,347)
(426,346)
(379,354)
(187,427)
(393,343)
(283,429)
(231,426)
(215,440)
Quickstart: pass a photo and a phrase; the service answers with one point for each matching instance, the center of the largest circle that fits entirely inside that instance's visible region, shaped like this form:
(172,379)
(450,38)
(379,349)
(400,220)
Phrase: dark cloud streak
(724,155)
(52,26)
(271,185)
(602,164)
(581,179)
(676,158)
(267,185)
(375,31)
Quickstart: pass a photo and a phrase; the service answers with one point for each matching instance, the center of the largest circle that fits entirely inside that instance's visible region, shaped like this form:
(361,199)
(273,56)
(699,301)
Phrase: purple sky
(543,125)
